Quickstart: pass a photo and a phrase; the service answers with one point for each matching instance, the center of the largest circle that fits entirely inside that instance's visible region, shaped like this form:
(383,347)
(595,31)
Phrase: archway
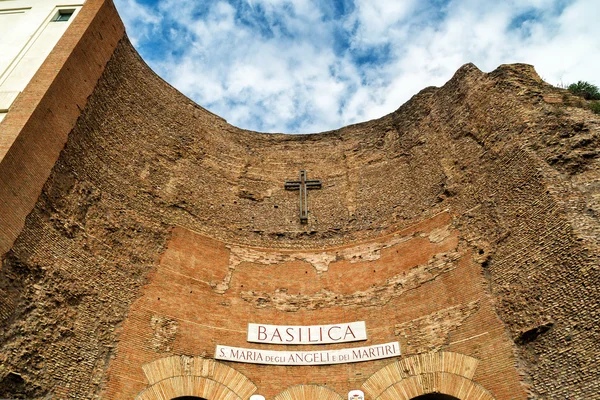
(308,392)
(188,398)
(429,376)
(194,378)
(435,396)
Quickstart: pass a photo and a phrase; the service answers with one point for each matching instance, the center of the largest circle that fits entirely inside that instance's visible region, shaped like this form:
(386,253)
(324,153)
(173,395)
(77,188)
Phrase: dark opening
(63,15)
(532,334)
(435,396)
(188,398)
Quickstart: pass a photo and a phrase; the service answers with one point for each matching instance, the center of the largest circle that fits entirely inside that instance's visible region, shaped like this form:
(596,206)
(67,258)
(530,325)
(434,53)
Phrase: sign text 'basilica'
(314,334)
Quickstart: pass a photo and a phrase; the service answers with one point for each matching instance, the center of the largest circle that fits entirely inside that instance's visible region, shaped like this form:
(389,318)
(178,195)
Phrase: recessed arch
(308,392)
(188,386)
(436,383)
(446,375)
(189,398)
(435,396)
(178,377)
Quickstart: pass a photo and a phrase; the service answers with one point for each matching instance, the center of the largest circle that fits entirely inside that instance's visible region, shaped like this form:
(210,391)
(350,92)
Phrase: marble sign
(326,357)
(313,334)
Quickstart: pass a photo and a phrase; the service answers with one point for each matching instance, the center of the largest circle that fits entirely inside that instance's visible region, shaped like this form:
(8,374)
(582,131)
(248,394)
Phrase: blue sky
(301,66)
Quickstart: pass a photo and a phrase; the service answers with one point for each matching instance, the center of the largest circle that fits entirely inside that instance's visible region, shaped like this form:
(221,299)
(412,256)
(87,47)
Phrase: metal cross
(303,185)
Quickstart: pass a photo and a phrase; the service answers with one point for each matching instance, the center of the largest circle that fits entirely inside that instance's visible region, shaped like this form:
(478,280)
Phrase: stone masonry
(463,225)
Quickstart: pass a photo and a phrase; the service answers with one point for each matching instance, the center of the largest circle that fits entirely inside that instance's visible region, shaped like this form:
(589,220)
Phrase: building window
(63,15)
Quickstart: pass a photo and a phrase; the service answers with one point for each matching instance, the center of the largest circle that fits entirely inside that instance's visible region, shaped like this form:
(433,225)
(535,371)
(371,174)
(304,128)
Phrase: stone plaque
(313,334)
(326,357)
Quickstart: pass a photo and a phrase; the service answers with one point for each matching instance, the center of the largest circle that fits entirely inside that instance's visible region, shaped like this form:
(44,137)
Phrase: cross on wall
(303,185)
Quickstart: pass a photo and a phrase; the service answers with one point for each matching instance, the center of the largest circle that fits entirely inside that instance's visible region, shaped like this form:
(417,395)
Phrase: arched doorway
(435,396)
(429,376)
(188,398)
(194,378)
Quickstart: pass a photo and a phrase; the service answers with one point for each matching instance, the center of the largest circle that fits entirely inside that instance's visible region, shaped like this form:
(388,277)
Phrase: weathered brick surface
(519,174)
(184,289)
(36,128)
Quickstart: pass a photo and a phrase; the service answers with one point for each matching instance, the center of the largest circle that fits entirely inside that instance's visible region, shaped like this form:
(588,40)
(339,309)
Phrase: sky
(303,66)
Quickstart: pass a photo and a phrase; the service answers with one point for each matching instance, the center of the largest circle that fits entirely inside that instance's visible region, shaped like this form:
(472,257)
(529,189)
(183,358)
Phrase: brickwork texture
(140,230)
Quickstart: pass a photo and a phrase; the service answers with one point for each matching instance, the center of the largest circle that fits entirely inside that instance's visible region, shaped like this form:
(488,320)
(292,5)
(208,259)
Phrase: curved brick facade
(463,226)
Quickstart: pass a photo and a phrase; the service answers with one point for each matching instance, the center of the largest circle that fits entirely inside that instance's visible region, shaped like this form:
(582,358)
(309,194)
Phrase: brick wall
(36,128)
(418,286)
(80,285)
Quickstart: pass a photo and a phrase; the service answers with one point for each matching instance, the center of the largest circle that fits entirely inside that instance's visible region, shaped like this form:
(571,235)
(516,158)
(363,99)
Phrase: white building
(29,30)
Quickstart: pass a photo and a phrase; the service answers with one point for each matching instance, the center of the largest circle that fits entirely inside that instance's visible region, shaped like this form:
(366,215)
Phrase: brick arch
(438,382)
(177,376)
(179,386)
(441,372)
(308,392)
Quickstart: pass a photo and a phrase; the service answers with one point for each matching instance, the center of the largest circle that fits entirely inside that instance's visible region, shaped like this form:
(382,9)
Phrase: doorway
(188,398)
(435,396)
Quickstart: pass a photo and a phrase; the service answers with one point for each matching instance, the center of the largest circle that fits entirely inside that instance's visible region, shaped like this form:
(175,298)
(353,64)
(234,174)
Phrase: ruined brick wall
(512,159)
(36,128)
(419,286)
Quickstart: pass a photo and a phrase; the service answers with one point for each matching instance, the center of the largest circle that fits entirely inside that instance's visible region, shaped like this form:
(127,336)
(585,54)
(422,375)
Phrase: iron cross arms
(303,185)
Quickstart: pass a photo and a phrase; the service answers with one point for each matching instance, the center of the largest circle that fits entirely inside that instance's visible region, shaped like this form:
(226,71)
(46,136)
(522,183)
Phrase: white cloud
(138,18)
(295,66)
(380,20)
(566,49)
